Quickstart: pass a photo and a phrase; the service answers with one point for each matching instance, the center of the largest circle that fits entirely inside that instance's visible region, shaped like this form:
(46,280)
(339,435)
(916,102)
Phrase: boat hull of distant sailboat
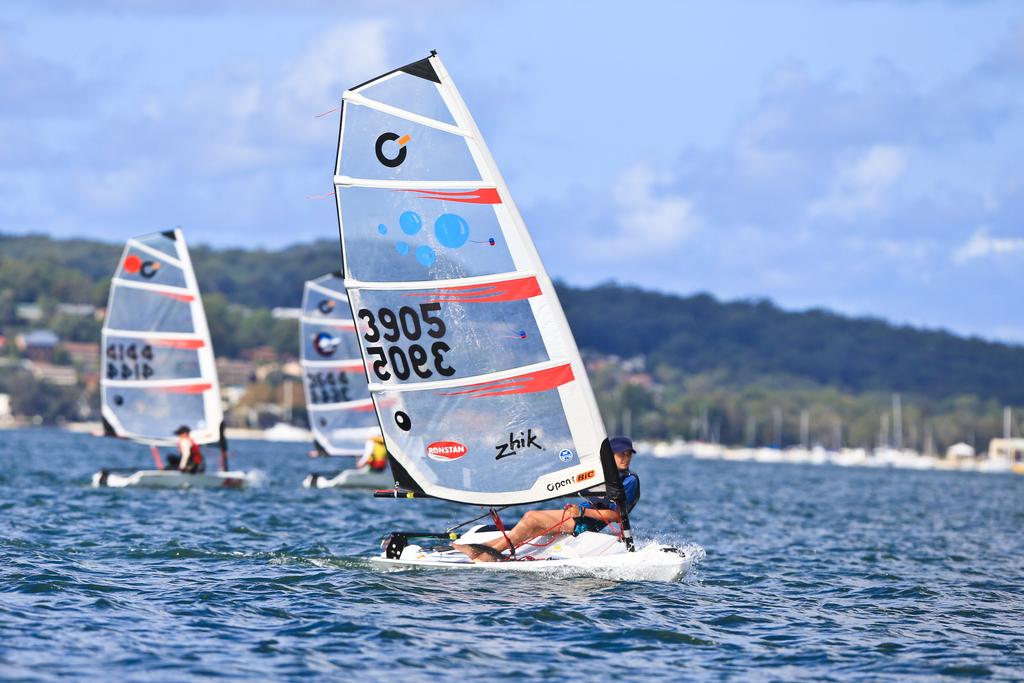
(593,554)
(363,478)
(172,479)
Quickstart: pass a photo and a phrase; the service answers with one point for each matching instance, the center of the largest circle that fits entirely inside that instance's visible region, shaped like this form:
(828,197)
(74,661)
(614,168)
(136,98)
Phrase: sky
(862,156)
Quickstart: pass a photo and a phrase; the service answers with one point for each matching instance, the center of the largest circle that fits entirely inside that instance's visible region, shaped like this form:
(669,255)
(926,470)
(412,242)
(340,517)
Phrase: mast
(897,422)
(223,444)
(615,491)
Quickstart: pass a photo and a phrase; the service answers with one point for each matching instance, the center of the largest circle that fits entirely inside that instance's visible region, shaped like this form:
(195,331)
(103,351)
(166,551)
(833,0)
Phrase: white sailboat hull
(589,554)
(350,479)
(171,479)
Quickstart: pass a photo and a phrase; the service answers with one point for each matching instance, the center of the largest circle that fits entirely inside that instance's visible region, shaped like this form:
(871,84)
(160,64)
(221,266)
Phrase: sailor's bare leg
(532,524)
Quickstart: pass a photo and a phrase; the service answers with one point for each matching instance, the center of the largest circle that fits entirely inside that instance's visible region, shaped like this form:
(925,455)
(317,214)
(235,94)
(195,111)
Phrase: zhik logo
(515,444)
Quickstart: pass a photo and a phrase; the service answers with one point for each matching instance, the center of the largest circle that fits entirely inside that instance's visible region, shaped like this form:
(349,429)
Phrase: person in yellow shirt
(375,455)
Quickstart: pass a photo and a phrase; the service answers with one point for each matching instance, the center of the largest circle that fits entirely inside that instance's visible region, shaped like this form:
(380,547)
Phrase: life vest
(630,503)
(378,456)
(195,457)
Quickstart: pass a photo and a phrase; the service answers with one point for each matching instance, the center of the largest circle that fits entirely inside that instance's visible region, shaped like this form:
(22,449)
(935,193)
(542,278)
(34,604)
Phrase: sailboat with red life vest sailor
(159,382)
(338,402)
(473,371)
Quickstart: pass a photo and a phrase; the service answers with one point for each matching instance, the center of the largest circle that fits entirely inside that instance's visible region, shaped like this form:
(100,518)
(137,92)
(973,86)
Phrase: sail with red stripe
(337,398)
(158,367)
(473,371)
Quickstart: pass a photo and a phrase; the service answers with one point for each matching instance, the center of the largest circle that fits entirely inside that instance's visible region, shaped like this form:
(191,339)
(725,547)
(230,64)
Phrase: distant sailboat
(474,374)
(158,365)
(338,402)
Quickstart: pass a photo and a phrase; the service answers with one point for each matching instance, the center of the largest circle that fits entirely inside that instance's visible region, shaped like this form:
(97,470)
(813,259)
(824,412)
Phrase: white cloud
(341,57)
(981,245)
(240,120)
(115,189)
(647,218)
(862,184)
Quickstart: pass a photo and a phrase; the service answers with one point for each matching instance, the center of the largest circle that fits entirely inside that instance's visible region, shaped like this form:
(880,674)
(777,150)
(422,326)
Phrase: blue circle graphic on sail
(382,229)
(410,222)
(402,248)
(451,230)
(425,255)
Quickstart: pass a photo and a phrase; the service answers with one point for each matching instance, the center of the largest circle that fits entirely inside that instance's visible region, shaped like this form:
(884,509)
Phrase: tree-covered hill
(749,340)
(741,343)
(79,270)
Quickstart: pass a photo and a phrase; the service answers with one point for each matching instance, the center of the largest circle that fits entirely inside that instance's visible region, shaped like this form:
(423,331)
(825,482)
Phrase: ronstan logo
(446,450)
(517,443)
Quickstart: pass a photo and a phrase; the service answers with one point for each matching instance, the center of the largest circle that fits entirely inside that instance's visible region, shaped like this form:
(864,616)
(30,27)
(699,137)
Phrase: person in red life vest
(592,515)
(190,459)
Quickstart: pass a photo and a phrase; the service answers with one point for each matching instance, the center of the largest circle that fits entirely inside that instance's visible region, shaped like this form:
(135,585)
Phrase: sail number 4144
(424,357)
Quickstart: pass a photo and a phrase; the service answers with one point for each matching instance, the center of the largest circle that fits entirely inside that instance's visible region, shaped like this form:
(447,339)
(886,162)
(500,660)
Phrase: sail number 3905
(424,358)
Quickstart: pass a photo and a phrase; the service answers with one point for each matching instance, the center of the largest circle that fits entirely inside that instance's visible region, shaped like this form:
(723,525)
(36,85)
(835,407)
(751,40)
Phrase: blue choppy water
(811,572)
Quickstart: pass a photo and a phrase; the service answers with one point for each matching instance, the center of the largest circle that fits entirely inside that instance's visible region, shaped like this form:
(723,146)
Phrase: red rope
(501,527)
(547,531)
(559,526)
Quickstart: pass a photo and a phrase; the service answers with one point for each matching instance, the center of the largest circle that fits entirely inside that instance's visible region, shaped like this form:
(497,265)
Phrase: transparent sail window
(141,266)
(329,342)
(344,428)
(484,444)
(411,93)
(136,358)
(403,236)
(384,147)
(145,310)
(317,303)
(156,412)
(326,385)
(428,335)
(160,242)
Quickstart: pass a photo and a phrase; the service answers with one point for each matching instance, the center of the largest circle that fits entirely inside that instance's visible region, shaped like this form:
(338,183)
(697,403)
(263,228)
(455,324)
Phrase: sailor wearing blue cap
(592,515)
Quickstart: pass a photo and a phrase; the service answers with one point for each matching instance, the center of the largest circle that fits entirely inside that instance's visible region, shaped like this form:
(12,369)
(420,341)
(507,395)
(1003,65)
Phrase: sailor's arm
(185,449)
(586,509)
(364,459)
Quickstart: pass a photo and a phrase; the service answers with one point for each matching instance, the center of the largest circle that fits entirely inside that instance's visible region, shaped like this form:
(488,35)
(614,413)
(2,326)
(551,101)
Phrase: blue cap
(621,443)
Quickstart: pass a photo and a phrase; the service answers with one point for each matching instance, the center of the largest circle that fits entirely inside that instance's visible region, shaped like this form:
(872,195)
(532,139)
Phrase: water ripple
(810,573)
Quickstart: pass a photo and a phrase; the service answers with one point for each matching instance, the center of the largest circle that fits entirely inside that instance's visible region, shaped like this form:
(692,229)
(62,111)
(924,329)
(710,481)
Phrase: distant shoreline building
(38,345)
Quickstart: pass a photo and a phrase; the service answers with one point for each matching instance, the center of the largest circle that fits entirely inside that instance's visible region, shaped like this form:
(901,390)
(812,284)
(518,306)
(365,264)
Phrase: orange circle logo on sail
(132,264)
(147,269)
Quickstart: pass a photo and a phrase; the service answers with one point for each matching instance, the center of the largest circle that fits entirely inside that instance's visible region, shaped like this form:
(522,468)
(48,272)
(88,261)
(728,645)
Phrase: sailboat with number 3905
(476,380)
